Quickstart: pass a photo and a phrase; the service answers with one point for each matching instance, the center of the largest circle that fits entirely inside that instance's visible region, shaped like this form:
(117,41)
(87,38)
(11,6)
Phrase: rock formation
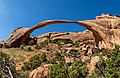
(92,65)
(73,36)
(40,72)
(105,29)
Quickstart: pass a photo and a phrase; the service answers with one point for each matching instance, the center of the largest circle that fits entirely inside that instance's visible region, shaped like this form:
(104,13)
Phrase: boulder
(92,65)
(40,72)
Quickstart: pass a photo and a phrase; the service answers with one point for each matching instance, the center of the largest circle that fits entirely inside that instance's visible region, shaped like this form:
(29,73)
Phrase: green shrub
(77,45)
(91,43)
(117,46)
(44,43)
(105,52)
(58,71)
(67,33)
(36,46)
(59,57)
(31,42)
(57,54)
(33,63)
(109,68)
(1,45)
(47,48)
(28,48)
(96,52)
(73,53)
(77,70)
(62,41)
(22,47)
(52,61)
(43,57)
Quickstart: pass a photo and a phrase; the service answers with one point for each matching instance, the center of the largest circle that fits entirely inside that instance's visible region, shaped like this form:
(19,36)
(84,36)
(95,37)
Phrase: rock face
(18,37)
(73,36)
(40,72)
(92,65)
(105,29)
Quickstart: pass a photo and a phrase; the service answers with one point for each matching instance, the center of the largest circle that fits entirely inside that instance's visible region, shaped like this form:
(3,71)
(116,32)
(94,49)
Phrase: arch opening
(58,28)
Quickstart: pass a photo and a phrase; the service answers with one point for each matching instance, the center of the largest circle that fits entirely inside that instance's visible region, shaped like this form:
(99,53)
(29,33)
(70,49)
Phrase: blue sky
(26,13)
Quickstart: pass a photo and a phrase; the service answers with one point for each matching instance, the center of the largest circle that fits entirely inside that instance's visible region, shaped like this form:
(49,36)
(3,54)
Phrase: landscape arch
(99,27)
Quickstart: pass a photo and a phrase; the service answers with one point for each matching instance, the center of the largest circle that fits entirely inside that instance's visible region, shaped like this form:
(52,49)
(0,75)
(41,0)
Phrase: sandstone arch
(105,29)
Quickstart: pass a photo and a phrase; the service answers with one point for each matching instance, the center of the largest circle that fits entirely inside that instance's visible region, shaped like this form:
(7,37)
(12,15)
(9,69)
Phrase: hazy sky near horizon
(26,13)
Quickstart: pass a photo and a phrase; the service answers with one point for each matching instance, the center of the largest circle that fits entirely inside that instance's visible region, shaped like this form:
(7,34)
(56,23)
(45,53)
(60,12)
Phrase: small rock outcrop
(105,29)
(40,72)
(92,65)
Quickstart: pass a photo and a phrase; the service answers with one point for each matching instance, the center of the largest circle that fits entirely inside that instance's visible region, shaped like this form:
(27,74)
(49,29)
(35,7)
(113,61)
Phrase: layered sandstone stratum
(105,31)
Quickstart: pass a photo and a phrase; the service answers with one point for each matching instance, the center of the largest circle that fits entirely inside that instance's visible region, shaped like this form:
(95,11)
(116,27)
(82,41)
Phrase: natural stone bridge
(105,29)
